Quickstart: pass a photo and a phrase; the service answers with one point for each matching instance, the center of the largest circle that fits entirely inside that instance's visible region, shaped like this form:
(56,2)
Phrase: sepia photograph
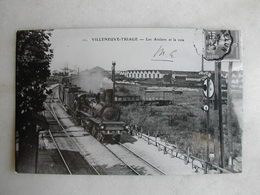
(129,101)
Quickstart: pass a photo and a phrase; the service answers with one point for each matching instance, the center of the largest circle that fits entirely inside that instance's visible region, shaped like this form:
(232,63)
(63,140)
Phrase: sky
(130,48)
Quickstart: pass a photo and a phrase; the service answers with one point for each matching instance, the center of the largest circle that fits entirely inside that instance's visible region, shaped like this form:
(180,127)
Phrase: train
(160,96)
(150,96)
(96,113)
(127,99)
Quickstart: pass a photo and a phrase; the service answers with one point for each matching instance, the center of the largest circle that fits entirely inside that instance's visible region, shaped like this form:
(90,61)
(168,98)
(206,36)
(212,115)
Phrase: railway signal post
(208,91)
(208,122)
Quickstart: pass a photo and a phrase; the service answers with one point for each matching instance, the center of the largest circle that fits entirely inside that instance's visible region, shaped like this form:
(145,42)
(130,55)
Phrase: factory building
(146,74)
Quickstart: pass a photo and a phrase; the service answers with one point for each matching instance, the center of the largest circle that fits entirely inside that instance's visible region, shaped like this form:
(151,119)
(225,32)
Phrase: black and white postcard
(129,101)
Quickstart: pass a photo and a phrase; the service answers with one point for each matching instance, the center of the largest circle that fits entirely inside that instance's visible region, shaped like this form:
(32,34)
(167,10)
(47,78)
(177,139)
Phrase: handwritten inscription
(162,54)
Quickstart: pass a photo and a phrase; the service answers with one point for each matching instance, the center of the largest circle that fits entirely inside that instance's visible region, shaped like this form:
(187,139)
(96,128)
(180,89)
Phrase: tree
(33,56)
(168,78)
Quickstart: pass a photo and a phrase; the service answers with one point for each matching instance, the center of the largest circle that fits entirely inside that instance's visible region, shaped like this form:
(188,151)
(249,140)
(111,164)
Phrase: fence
(175,152)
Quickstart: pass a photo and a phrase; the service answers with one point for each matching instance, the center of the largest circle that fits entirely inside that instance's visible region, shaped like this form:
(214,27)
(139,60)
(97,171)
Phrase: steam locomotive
(97,113)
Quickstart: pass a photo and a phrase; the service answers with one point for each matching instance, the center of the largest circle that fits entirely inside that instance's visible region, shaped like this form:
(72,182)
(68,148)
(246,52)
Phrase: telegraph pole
(219,105)
(229,110)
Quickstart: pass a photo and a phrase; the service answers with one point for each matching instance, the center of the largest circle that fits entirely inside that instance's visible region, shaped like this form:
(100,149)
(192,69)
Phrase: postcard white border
(36,14)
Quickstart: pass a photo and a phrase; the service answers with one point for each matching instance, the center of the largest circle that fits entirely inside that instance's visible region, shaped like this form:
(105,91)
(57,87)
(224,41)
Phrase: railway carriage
(127,99)
(160,96)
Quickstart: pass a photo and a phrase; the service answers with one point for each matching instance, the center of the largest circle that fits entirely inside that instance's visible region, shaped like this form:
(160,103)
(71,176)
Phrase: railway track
(60,153)
(69,140)
(133,161)
(126,165)
(142,167)
(158,170)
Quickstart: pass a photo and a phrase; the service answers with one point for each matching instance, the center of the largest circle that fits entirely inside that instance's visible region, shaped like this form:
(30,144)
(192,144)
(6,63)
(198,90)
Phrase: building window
(141,75)
(134,75)
(158,75)
(153,75)
(137,75)
(149,75)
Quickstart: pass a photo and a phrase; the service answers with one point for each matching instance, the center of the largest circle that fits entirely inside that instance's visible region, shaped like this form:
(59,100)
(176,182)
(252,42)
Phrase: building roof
(161,71)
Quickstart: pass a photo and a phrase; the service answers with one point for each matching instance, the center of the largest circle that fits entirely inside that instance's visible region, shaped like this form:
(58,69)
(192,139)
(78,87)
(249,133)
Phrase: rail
(58,149)
(174,151)
(130,167)
(51,109)
(158,170)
